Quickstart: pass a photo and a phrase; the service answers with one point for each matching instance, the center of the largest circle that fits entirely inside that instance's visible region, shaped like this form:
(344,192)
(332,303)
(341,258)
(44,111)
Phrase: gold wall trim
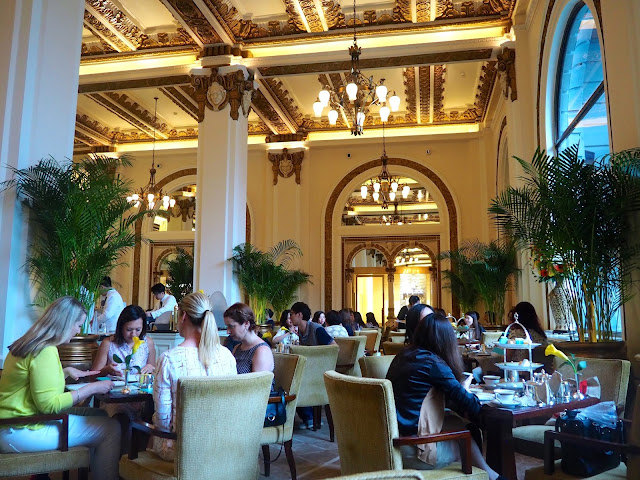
(328,214)
(134,84)
(151,53)
(369,63)
(191,15)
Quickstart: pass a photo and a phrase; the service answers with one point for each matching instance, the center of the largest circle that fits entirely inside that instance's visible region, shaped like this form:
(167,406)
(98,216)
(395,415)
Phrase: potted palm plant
(81,225)
(574,218)
(266,278)
(180,274)
(483,271)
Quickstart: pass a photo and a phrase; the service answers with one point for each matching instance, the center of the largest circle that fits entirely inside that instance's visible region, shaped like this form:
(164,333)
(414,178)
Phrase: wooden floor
(317,458)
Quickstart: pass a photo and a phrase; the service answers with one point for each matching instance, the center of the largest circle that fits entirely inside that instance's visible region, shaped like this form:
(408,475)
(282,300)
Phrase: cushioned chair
(368,438)
(219,425)
(373,339)
(392,348)
(614,381)
(383,475)
(288,373)
(61,460)
(490,337)
(312,391)
(351,349)
(375,367)
(630,471)
(397,337)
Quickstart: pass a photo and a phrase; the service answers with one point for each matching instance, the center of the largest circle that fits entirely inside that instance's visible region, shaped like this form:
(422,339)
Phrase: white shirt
(113,306)
(166,305)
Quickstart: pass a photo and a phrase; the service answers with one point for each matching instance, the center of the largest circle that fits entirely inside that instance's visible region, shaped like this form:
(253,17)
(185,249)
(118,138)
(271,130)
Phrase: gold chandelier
(356,94)
(149,195)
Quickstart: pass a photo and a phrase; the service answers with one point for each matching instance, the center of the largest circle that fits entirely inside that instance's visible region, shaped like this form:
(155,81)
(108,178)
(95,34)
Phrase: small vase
(126,388)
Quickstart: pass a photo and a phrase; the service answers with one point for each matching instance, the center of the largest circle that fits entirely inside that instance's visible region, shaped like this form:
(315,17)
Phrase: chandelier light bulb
(129,199)
(172,202)
(165,199)
(360,119)
(317,109)
(419,194)
(352,91)
(400,222)
(363,191)
(151,205)
(135,197)
(394,101)
(324,97)
(405,191)
(388,223)
(392,196)
(381,93)
(150,198)
(376,196)
(137,204)
(376,187)
(394,186)
(333,117)
(426,216)
(384,114)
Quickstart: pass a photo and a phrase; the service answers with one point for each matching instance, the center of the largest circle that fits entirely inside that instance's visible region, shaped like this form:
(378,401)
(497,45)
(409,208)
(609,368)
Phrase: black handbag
(276,412)
(584,461)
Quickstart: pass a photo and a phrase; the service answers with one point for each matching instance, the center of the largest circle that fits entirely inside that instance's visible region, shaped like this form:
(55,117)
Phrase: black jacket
(413,372)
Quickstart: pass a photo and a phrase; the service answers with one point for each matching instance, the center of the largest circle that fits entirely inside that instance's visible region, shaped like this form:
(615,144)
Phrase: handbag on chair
(276,412)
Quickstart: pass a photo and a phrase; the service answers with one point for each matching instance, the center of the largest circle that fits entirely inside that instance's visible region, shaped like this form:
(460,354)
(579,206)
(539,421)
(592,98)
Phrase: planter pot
(610,349)
(79,352)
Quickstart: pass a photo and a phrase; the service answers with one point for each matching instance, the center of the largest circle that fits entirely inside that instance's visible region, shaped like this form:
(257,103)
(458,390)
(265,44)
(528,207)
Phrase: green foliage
(265,277)
(577,214)
(482,271)
(80,224)
(180,274)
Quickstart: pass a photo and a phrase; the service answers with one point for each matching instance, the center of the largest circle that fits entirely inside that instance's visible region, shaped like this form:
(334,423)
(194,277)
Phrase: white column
(221,195)
(40,42)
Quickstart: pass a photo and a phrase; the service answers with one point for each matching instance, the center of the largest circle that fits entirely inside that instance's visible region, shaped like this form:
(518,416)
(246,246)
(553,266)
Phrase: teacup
(503,395)
(491,380)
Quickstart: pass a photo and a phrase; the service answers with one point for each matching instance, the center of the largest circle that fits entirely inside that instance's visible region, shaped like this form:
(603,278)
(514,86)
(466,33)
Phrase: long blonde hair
(198,309)
(52,328)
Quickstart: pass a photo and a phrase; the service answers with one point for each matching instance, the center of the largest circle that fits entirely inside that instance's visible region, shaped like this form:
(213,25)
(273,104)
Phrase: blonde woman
(32,383)
(201,354)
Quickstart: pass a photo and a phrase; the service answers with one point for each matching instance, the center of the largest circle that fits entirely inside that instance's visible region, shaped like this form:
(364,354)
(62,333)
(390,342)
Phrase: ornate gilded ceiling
(439,55)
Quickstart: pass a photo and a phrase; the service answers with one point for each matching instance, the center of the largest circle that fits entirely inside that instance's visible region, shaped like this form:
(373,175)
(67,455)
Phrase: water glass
(146,381)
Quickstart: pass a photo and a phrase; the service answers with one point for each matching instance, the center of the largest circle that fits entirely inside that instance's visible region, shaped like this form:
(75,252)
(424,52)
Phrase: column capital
(507,71)
(286,162)
(215,88)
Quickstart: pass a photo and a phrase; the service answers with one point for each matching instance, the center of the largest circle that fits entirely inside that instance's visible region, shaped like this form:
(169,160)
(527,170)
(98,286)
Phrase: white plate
(515,403)
(485,396)
(515,366)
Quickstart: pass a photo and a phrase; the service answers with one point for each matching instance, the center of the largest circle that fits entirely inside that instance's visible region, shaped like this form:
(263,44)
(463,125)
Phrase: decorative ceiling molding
(409,75)
(285,164)
(445,9)
(281,101)
(259,128)
(401,12)
(424,87)
(123,32)
(179,38)
(384,62)
(485,87)
(151,82)
(94,130)
(313,16)
(193,21)
(184,102)
(268,114)
(83,139)
(333,14)
(298,22)
(423,10)
(128,110)
(507,69)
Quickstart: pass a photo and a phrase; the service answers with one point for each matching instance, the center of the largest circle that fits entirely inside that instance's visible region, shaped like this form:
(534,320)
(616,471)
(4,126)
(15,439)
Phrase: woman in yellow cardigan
(32,383)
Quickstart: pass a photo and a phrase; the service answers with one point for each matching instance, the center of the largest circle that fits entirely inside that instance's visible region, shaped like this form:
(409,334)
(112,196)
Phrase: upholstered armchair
(375,367)
(631,448)
(312,391)
(219,427)
(61,460)
(373,339)
(392,348)
(397,337)
(383,475)
(351,349)
(288,373)
(614,382)
(368,438)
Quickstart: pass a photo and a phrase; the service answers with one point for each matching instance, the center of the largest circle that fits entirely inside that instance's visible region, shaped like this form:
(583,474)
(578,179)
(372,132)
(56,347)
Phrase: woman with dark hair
(371,321)
(414,315)
(345,319)
(131,323)
(358,321)
(472,320)
(528,318)
(287,333)
(335,328)
(432,360)
(252,353)
(319,317)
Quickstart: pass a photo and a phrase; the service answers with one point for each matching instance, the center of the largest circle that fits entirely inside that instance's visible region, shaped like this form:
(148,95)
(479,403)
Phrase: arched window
(581,110)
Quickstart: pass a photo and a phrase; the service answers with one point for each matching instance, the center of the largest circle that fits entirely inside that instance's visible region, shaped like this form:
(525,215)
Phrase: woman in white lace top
(201,354)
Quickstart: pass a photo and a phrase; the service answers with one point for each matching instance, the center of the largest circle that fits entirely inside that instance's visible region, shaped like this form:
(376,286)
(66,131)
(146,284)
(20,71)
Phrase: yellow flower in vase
(552,350)
(136,344)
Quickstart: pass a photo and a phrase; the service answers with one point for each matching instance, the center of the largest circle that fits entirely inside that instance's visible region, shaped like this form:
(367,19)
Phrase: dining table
(498,422)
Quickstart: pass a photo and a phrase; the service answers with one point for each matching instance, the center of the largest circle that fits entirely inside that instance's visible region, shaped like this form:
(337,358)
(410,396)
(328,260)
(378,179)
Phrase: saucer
(485,397)
(513,404)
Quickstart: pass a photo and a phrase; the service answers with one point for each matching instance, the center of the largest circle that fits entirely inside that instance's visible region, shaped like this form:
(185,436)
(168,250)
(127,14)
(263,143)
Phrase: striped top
(244,358)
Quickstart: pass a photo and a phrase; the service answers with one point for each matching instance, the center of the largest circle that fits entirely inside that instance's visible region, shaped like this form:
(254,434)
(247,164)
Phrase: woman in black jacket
(433,360)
